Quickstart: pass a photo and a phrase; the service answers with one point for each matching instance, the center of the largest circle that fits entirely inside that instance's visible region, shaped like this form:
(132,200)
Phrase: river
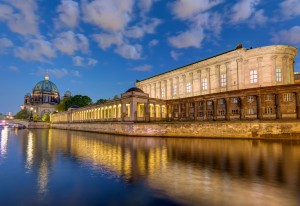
(59,167)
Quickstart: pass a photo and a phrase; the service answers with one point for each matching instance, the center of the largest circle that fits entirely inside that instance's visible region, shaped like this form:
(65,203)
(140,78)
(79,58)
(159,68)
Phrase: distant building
(44,97)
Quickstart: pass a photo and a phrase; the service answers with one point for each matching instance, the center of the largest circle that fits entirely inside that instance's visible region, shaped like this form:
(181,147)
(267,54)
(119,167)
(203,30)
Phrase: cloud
(290,36)
(13,69)
(69,42)
(145,5)
(258,18)
(290,8)
(36,50)
(243,10)
(144,68)
(200,20)
(112,15)
(84,62)
(68,14)
(58,73)
(184,9)
(191,38)
(129,51)
(175,55)
(153,43)
(20,16)
(5,44)
(143,28)
(106,40)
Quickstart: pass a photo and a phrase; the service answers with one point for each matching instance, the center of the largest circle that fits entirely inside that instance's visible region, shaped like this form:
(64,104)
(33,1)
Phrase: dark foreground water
(57,167)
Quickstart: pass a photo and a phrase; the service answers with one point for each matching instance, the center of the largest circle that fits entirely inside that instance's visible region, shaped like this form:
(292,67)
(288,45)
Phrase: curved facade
(233,70)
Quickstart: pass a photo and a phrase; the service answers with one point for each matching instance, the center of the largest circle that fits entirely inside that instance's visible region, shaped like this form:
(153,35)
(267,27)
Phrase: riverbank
(233,129)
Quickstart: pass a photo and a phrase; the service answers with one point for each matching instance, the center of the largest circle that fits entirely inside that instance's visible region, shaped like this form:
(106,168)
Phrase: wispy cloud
(144,68)
(84,62)
(290,8)
(290,36)
(175,55)
(130,51)
(5,44)
(57,73)
(68,14)
(13,69)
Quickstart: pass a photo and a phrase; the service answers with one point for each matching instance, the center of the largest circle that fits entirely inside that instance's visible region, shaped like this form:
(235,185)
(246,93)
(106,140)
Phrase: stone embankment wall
(203,129)
(38,125)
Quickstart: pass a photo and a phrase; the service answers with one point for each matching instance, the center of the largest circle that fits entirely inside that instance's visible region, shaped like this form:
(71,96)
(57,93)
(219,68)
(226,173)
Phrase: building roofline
(191,64)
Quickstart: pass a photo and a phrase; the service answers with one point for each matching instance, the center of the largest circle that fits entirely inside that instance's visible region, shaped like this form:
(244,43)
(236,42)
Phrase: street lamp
(31,117)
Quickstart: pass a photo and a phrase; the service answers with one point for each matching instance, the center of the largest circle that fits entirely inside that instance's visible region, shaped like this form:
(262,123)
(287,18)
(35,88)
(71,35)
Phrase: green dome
(45,86)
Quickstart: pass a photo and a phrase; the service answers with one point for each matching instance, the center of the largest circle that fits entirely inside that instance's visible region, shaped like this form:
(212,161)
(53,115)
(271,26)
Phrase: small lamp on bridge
(31,116)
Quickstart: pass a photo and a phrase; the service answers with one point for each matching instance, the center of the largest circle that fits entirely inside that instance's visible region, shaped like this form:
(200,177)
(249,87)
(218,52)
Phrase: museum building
(255,83)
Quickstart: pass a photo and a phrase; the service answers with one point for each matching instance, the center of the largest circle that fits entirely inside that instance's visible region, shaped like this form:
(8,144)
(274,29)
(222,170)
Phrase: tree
(78,100)
(100,101)
(36,117)
(46,118)
(23,114)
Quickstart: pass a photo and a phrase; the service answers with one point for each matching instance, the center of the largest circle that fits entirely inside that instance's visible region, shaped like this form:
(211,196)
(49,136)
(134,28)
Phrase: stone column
(278,106)
(228,77)
(273,73)
(170,89)
(200,83)
(297,97)
(239,73)
(204,109)
(259,109)
(242,107)
(208,80)
(291,68)
(227,108)
(215,109)
(192,84)
(218,79)
(260,72)
(284,70)
(183,85)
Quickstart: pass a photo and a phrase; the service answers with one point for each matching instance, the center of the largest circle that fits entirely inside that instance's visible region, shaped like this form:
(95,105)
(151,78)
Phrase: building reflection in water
(191,171)
(4,139)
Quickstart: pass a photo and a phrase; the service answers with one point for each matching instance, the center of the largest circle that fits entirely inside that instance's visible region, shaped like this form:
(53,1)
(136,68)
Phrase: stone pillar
(200,83)
(218,79)
(170,89)
(260,72)
(227,108)
(239,73)
(192,84)
(284,70)
(259,109)
(242,107)
(204,110)
(291,68)
(228,77)
(215,109)
(208,81)
(297,97)
(278,106)
(273,73)
(183,86)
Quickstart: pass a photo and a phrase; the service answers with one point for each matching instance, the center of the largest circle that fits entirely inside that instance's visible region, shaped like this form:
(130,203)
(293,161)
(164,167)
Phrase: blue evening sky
(100,48)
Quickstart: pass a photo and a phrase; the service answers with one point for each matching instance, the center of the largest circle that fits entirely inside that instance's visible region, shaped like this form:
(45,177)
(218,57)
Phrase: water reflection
(4,139)
(189,171)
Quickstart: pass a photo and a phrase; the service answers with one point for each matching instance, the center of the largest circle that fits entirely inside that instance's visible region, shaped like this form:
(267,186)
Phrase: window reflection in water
(200,171)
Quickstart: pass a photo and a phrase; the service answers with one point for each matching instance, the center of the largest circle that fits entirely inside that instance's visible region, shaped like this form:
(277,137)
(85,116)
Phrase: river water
(58,167)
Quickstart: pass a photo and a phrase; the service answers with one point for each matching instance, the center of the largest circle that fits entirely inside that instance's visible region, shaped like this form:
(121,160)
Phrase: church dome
(45,92)
(45,86)
(68,94)
(134,89)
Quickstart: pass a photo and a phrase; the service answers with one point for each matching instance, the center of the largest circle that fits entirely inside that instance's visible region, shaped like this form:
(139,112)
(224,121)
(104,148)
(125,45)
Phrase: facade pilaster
(218,78)
(239,83)
(278,106)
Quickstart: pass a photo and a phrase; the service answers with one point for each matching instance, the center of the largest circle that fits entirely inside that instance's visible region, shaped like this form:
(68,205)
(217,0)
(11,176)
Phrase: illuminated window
(234,100)
(141,110)
(221,112)
(251,111)
(278,75)
(268,97)
(268,110)
(253,76)
(162,92)
(223,80)
(288,97)
(250,99)
(235,111)
(188,87)
(204,84)
(175,90)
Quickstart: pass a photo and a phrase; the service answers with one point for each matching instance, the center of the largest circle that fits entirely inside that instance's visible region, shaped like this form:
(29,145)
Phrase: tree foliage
(78,100)
(36,117)
(100,101)
(23,114)
(46,118)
